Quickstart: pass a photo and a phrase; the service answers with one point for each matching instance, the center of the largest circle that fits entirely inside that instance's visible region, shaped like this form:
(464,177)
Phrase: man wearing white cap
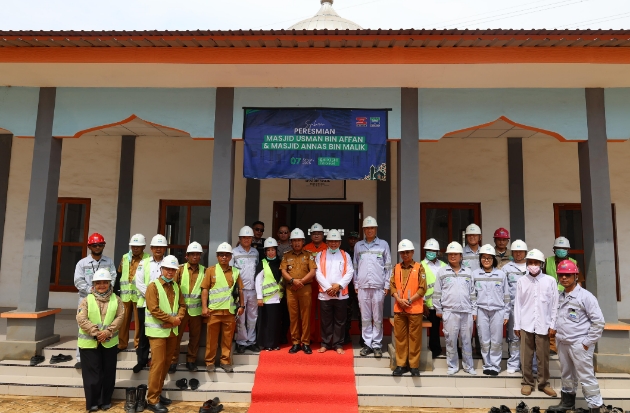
(470,256)
(372,263)
(431,266)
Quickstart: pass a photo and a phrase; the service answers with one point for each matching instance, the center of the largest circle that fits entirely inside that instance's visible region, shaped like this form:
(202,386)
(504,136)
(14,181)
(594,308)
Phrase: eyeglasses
(259,229)
(97,245)
(486,258)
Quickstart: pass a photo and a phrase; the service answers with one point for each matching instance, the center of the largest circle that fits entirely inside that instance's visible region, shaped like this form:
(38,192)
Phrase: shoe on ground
(504,409)
(526,390)
(494,410)
(567,402)
(182,384)
(378,353)
(136,369)
(165,400)
(535,409)
(487,373)
(522,407)
(216,409)
(366,351)
(35,360)
(212,402)
(472,372)
(295,348)
(77,365)
(173,368)
(415,372)
(549,391)
(307,349)
(240,349)
(227,368)
(194,384)
(399,371)
(211,368)
(191,366)
(105,406)
(93,409)
(253,348)
(157,408)
(452,372)
(511,371)
(493,373)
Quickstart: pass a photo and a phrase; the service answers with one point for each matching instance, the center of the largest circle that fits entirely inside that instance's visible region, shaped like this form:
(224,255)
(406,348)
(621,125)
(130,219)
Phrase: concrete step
(440,362)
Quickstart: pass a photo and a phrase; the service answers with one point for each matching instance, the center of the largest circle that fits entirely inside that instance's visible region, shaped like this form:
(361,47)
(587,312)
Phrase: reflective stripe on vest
(192,298)
(550,269)
(322,262)
(128,290)
(430,277)
(147,278)
(154,327)
(270,286)
(94,315)
(411,288)
(220,296)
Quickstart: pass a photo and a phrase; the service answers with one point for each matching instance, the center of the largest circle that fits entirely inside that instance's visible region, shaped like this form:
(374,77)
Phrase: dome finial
(327,1)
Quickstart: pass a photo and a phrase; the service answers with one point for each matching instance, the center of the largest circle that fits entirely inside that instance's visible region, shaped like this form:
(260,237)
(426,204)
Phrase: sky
(280,14)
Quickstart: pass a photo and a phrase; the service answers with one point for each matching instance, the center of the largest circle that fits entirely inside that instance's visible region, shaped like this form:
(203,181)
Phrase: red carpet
(307,384)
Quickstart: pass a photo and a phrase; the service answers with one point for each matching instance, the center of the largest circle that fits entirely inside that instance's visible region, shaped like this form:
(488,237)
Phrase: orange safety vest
(322,263)
(410,290)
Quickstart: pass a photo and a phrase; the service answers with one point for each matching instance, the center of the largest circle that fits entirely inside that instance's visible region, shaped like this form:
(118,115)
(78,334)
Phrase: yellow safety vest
(154,327)
(428,297)
(147,278)
(192,298)
(270,286)
(128,290)
(94,315)
(220,296)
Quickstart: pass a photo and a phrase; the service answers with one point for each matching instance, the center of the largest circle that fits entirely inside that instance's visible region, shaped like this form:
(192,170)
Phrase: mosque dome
(326,18)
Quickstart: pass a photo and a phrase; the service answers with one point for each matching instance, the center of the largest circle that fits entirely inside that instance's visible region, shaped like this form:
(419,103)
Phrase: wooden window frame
(164,203)
(475,206)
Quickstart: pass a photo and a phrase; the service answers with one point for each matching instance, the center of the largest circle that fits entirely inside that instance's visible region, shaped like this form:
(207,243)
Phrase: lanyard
(97,267)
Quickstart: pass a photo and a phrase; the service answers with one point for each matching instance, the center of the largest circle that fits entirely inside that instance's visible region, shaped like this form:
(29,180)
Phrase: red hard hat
(502,233)
(567,267)
(96,238)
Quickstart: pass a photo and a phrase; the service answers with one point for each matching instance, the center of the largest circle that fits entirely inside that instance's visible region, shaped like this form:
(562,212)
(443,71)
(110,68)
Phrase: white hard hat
(297,234)
(535,255)
(473,229)
(270,242)
(159,241)
(170,261)
(518,245)
(333,235)
(246,232)
(432,245)
(194,247)
(487,249)
(138,240)
(561,242)
(454,248)
(405,245)
(224,247)
(317,227)
(369,222)
(102,274)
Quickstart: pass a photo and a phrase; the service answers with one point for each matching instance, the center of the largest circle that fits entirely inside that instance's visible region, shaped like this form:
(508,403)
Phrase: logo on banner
(375,122)
(362,122)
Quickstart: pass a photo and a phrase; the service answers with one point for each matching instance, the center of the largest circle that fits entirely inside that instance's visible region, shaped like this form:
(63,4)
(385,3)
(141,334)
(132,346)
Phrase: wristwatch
(241,306)
(291,281)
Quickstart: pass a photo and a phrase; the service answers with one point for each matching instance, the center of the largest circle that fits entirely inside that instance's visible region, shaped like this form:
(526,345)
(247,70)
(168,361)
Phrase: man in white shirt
(334,273)
(535,313)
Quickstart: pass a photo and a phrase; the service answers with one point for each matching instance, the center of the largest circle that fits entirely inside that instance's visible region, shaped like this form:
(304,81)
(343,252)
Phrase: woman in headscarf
(269,292)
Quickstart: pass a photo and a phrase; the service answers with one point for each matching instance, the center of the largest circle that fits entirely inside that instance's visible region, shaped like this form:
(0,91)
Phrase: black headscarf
(274,265)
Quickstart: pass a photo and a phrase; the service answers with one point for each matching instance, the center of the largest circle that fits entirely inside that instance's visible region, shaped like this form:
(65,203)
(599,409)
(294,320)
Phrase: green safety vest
(128,290)
(220,297)
(428,296)
(147,278)
(192,298)
(550,269)
(94,315)
(270,286)
(154,327)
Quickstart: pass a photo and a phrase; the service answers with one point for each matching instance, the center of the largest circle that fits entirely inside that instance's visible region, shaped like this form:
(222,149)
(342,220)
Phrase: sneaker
(511,371)
(472,372)
(452,372)
(366,351)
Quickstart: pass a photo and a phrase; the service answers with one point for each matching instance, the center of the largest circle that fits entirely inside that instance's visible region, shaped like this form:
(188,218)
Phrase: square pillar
(383,217)
(516,188)
(6,142)
(252,202)
(125,199)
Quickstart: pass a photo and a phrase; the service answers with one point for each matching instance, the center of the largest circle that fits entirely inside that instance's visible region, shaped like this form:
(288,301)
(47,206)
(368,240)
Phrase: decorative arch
(133,125)
(5,131)
(504,127)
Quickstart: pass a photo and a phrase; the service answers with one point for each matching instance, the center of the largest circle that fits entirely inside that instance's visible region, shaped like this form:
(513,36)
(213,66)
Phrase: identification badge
(573,315)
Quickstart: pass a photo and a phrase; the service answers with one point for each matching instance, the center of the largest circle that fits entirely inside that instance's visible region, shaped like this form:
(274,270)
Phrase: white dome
(326,18)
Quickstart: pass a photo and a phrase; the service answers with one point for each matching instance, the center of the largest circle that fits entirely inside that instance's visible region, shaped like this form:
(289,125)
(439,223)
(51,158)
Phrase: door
(182,222)
(447,222)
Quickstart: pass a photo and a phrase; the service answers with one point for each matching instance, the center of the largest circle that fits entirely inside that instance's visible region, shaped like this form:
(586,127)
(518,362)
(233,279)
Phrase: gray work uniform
(470,258)
(246,262)
(513,273)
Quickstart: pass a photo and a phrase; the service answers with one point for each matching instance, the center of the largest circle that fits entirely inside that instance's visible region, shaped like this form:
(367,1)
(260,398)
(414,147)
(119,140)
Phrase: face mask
(431,255)
(332,251)
(560,253)
(533,269)
(271,259)
(166,280)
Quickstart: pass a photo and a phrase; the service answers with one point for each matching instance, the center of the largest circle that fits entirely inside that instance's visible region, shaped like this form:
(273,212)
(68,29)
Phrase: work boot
(567,402)
(494,410)
(522,408)
(130,401)
(141,398)
(601,409)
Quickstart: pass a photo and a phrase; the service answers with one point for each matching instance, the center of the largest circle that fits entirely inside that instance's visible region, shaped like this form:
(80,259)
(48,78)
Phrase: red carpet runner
(306,384)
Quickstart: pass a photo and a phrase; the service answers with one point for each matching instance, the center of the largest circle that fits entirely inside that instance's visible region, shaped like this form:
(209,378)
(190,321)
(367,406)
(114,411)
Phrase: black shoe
(194,384)
(567,402)
(137,368)
(165,400)
(522,408)
(240,349)
(191,366)
(487,373)
(494,410)
(535,409)
(157,408)
(173,368)
(77,365)
(93,409)
(435,355)
(227,368)
(415,372)
(130,400)
(182,384)
(60,358)
(307,349)
(253,348)
(35,360)
(141,397)
(505,409)
(295,349)
(378,353)
(366,351)
(399,371)
(212,403)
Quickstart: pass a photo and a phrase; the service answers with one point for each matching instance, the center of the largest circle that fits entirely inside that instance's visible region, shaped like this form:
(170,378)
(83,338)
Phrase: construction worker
(372,265)
(431,266)
(408,286)
(561,247)
(245,259)
(298,270)
(189,277)
(493,309)
(258,241)
(99,317)
(334,273)
(284,245)
(579,327)
(470,256)
(165,309)
(501,241)
(219,305)
(148,270)
(269,293)
(353,302)
(455,302)
(128,291)
(314,247)
(535,313)
(87,267)
(514,270)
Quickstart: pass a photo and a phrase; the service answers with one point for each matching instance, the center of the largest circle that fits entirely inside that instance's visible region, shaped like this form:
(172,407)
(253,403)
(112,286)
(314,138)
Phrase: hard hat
(432,245)
(170,261)
(317,227)
(518,245)
(454,248)
(333,235)
(567,267)
(102,274)
(224,247)
(96,238)
(297,234)
(246,232)
(369,222)
(405,245)
(138,240)
(487,249)
(270,242)
(561,242)
(194,247)
(535,255)
(502,233)
(473,229)
(159,241)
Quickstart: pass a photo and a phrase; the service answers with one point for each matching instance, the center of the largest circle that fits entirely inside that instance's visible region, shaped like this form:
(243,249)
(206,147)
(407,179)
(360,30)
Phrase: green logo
(328,161)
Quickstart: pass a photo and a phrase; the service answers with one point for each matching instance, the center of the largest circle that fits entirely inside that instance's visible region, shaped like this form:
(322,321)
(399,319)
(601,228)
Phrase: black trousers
(98,368)
(333,322)
(142,352)
(434,334)
(269,333)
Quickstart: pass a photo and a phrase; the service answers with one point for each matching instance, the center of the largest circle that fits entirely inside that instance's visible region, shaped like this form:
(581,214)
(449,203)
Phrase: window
(447,222)
(568,223)
(183,222)
(70,242)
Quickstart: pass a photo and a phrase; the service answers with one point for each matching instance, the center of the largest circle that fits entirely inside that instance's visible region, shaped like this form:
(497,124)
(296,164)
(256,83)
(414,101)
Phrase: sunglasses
(97,245)
(259,229)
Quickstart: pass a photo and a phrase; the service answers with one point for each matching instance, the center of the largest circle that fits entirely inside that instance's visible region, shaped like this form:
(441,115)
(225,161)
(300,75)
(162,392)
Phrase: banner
(315,144)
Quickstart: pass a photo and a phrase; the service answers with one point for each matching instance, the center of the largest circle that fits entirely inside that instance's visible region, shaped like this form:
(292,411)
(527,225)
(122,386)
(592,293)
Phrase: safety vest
(192,298)
(428,297)
(154,327)
(94,315)
(147,278)
(220,296)
(322,262)
(550,269)
(128,290)
(409,291)
(270,286)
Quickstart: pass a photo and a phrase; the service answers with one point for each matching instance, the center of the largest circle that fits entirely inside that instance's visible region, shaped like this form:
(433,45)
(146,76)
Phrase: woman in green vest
(269,292)
(99,317)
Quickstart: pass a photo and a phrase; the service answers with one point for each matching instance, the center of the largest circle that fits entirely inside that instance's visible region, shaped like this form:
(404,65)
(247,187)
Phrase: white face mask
(533,269)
